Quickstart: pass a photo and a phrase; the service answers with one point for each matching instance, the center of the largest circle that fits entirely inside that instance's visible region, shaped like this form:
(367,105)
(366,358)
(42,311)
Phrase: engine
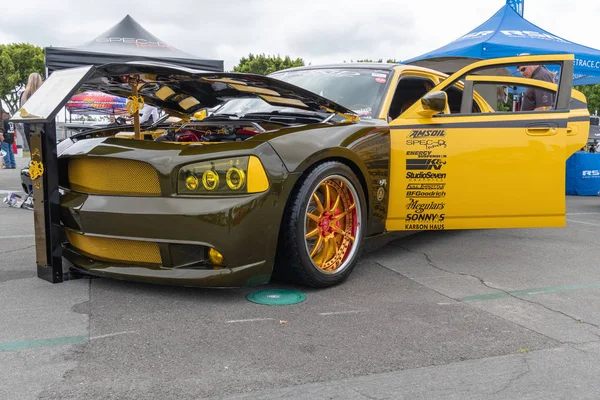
(206,132)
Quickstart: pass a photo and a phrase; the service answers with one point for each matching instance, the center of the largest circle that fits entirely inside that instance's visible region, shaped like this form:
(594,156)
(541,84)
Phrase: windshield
(250,105)
(360,90)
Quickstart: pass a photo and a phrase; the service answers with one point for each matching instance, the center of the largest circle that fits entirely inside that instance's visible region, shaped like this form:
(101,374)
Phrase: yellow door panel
(477,172)
(481,170)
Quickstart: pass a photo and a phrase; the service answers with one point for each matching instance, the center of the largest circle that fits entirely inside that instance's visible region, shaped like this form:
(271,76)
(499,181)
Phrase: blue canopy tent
(505,34)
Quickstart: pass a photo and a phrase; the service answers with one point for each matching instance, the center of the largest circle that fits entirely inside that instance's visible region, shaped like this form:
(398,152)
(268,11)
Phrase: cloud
(315,30)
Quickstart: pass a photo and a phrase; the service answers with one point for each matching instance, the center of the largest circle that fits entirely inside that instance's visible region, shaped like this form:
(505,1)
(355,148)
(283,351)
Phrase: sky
(319,32)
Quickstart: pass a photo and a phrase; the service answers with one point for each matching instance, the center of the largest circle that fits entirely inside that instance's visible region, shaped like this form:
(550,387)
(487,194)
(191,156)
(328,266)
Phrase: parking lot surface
(494,314)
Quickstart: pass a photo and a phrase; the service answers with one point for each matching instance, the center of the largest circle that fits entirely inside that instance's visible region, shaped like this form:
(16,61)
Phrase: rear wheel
(324,226)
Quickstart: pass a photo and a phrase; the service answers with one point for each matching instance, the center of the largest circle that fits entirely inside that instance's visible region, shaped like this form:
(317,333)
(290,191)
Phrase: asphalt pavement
(486,314)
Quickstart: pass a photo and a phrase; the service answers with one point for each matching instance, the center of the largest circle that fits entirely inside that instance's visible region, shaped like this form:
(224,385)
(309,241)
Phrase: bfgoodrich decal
(425,194)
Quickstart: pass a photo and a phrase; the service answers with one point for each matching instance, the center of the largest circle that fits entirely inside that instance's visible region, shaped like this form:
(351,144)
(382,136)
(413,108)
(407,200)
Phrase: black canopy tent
(126,41)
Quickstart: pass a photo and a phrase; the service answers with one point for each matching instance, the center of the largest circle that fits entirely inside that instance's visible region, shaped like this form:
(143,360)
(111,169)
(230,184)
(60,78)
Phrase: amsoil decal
(425,194)
(427,143)
(426,133)
(425,186)
(425,175)
(425,164)
(419,206)
(424,154)
(594,173)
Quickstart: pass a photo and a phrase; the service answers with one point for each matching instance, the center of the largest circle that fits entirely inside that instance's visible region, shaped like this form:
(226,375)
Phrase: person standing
(33,83)
(537,98)
(8,135)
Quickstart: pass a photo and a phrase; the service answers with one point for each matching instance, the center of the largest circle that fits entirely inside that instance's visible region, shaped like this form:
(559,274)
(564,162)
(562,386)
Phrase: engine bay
(233,131)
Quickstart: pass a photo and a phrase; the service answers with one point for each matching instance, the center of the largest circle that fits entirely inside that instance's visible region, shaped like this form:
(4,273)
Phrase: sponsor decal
(424,227)
(424,164)
(428,143)
(379,74)
(594,173)
(380,80)
(533,35)
(426,186)
(474,35)
(425,175)
(425,217)
(425,133)
(137,42)
(364,112)
(419,206)
(380,194)
(424,154)
(515,34)
(425,194)
(587,63)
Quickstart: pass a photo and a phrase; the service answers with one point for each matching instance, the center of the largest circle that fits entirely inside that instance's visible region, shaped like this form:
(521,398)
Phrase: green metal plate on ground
(276,297)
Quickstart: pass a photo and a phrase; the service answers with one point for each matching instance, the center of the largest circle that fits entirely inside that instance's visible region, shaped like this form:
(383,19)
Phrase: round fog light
(191,182)
(215,257)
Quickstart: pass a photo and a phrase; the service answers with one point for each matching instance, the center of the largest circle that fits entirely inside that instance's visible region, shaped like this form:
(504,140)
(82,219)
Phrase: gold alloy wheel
(332,224)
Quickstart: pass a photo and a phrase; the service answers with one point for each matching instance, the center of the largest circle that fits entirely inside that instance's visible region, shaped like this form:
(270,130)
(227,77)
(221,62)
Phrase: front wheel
(324,226)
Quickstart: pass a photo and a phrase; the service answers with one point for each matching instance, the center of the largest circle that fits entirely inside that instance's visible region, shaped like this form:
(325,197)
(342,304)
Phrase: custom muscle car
(293,172)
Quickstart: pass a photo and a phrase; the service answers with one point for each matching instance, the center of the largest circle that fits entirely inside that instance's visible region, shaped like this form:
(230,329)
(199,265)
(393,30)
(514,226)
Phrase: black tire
(294,261)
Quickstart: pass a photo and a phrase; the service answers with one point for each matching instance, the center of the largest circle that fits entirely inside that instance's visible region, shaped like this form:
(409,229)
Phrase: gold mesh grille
(122,250)
(113,176)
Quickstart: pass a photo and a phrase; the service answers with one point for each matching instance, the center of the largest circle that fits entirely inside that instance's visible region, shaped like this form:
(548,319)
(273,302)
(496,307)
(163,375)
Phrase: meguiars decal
(419,206)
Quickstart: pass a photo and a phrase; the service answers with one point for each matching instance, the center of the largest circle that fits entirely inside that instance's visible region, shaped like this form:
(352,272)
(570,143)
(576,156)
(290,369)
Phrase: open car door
(478,170)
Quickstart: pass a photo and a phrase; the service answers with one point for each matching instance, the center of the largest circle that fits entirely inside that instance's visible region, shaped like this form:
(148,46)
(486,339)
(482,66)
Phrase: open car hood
(177,90)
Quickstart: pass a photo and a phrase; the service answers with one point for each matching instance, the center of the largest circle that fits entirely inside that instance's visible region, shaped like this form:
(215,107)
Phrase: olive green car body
(244,228)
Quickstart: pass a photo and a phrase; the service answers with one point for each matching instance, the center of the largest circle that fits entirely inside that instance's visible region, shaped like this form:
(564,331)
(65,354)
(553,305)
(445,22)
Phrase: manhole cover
(276,297)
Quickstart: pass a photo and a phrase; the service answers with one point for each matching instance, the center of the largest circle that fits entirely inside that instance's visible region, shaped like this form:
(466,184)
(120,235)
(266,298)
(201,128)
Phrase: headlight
(226,176)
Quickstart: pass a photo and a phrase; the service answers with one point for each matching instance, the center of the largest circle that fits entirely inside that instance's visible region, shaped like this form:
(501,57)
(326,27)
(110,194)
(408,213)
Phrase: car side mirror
(433,103)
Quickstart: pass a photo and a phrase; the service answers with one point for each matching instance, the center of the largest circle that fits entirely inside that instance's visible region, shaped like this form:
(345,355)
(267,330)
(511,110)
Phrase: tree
(17,61)
(263,65)
(592,93)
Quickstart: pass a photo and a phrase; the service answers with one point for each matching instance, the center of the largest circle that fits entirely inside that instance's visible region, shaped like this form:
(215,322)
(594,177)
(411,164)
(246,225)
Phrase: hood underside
(177,90)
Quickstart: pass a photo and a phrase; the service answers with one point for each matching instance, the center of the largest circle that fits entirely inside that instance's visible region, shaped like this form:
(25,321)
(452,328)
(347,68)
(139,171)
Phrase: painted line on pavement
(581,222)
(343,312)
(586,213)
(36,343)
(528,292)
(249,320)
(16,236)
